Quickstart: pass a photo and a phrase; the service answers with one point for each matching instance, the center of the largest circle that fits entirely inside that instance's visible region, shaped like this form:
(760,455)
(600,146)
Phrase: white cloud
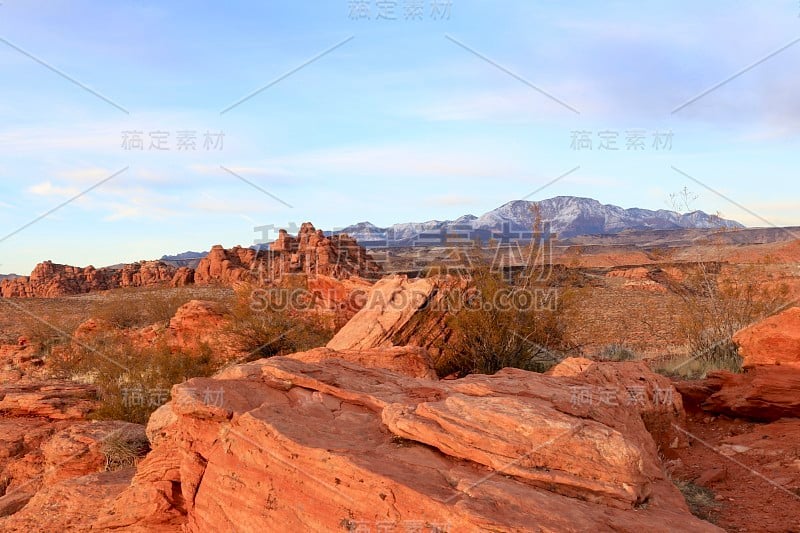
(46,188)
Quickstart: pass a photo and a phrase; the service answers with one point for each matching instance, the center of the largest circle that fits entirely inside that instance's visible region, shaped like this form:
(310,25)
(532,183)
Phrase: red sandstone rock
(639,273)
(410,361)
(17,360)
(651,395)
(225,266)
(44,443)
(763,393)
(197,326)
(56,400)
(344,297)
(195,323)
(774,341)
(69,506)
(310,253)
(49,280)
(183,276)
(332,445)
(21,458)
(94,328)
(401,311)
(13,502)
(86,448)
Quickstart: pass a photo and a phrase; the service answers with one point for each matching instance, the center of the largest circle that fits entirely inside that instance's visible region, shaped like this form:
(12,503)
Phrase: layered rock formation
(51,456)
(410,361)
(332,445)
(49,280)
(651,395)
(763,393)
(399,311)
(769,388)
(225,266)
(310,253)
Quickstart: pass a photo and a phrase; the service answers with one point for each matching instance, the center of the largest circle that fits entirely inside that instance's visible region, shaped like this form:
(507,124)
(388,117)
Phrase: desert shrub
(617,352)
(134,308)
(715,304)
(700,500)
(269,322)
(48,332)
(124,448)
(506,324)
(132,381)
(685,366)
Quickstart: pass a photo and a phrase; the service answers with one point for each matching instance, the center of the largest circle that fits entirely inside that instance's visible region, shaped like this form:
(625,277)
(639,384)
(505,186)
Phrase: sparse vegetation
(49,332)
(617,352)
(685,366)
(265,328)
(123,449)
(132,381)
(490,336)
(135,308)
(518,322)
(700,500)
(714,304)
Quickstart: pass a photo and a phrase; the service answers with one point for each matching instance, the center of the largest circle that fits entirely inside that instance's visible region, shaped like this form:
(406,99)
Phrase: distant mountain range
(564,216)
(186,259)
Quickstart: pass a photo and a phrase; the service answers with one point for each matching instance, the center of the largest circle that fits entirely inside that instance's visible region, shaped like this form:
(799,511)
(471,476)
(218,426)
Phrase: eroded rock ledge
(325,444)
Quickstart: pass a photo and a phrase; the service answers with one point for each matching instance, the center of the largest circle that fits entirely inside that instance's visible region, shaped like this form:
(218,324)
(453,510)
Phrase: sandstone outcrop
(197,326)
(52,460)
(410,361)
(342,297)
(50,280)
(773,341)
(183,276)
(310,253)
(763,393)
(314,254)
(225,267)
(651,395)
(399,312)
(332,445)
(18,360)
(639,278)
(197,323)
(69,506)
(55,400)
(769,388)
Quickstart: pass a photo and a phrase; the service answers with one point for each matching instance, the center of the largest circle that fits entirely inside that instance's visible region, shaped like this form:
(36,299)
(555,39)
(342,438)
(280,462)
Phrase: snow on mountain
(567,216)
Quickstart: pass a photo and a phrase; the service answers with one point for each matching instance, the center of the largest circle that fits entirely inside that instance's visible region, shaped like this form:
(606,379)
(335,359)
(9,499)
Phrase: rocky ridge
(310,253)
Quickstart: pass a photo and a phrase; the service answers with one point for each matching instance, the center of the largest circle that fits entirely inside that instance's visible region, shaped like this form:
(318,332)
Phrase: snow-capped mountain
(565,216)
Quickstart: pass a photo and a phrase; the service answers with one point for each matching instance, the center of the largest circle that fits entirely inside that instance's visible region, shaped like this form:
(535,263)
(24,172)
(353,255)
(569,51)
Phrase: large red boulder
(774,341)
(763,393)
(285,444)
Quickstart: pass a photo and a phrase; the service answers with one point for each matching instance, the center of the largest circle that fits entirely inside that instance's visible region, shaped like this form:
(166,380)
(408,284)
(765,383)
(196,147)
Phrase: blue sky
(402,122)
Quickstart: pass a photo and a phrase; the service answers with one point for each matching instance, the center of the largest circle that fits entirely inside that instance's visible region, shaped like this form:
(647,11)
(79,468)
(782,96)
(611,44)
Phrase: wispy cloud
(46,188)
